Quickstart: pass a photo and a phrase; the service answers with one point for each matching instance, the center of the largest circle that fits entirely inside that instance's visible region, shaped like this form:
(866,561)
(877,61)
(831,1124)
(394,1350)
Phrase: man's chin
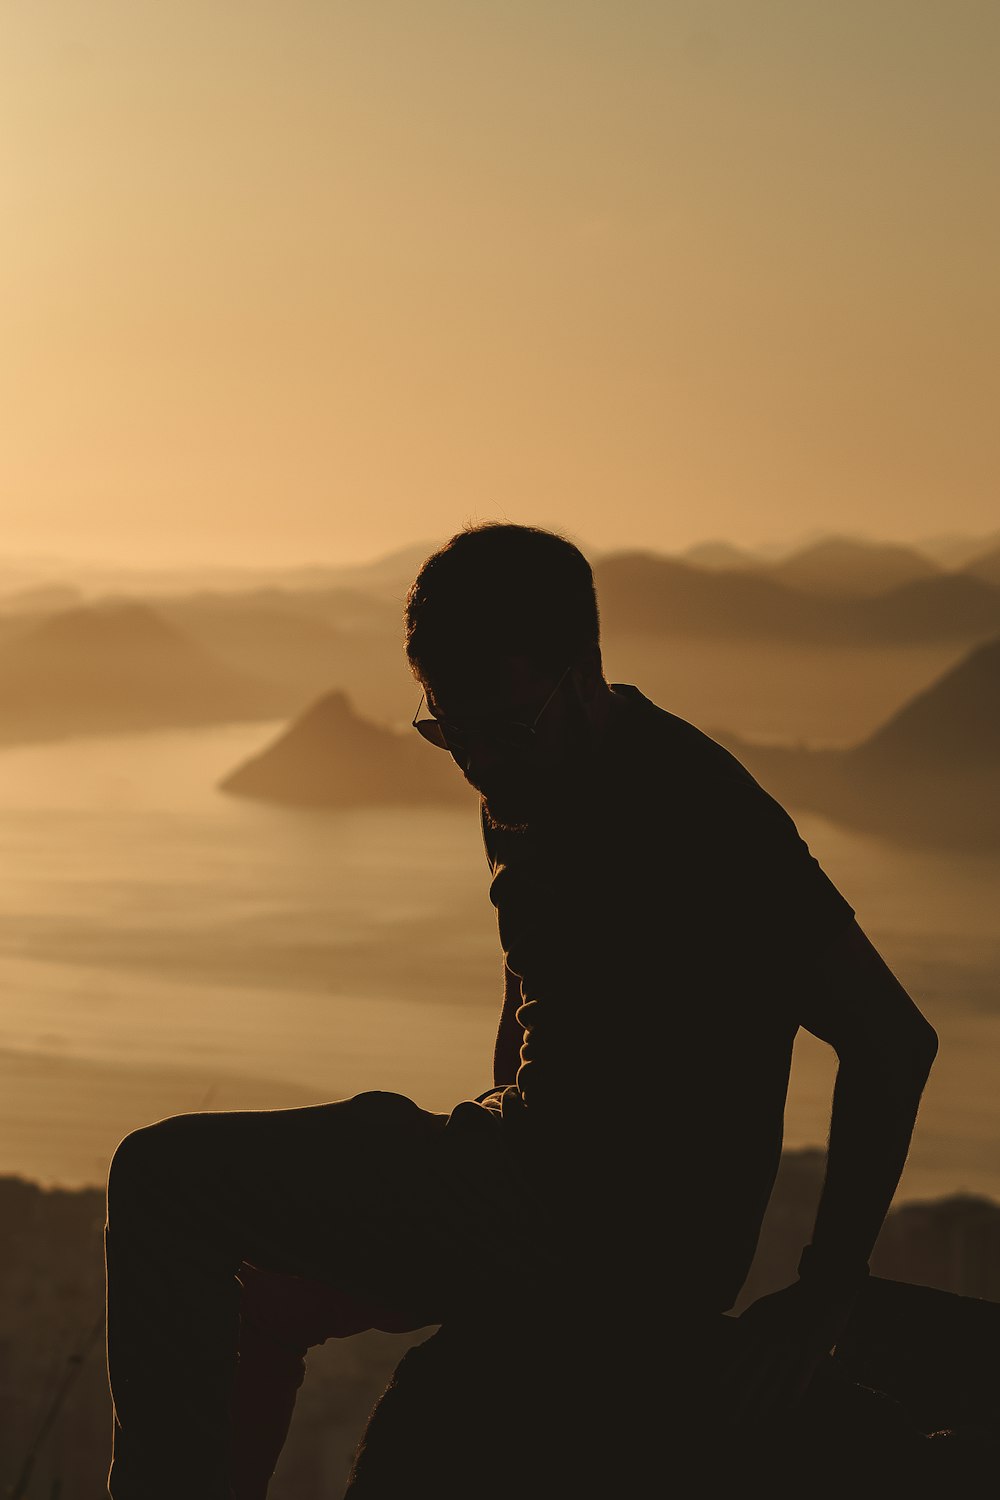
(504,819)
(510,814)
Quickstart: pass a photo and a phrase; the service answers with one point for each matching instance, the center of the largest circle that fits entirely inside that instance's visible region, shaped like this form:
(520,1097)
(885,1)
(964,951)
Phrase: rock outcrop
(331,757)
(535,1408)
(937,1352)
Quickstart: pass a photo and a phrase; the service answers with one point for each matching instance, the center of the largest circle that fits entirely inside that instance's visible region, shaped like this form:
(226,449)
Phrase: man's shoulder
(673,756)
(685,790)
(727,837)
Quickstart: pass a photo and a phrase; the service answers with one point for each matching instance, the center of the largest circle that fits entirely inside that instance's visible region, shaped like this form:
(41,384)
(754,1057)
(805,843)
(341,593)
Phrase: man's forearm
(874,1109)
(791,1331)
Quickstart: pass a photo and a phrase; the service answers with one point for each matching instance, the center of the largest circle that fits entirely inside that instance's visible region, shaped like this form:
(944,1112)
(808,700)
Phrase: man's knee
(149,1157)
(383,1107)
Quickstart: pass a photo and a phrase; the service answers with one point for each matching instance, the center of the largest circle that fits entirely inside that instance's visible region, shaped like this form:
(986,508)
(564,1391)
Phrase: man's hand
(885,1048)
(780,1343)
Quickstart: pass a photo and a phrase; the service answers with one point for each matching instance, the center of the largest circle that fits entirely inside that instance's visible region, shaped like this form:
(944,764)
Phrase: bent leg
(281,1318)
(308,1192)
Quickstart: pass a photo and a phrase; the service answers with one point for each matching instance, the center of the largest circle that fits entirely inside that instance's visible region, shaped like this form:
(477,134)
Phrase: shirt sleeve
(783,910)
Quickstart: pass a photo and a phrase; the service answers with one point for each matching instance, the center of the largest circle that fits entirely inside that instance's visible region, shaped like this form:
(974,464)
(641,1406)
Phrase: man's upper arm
(800,928)
(852,1000)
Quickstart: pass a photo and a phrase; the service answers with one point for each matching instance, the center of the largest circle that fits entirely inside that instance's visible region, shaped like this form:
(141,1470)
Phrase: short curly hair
(495,591)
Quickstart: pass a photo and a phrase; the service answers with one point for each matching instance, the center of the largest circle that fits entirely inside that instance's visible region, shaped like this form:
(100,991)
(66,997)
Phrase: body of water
(164,947)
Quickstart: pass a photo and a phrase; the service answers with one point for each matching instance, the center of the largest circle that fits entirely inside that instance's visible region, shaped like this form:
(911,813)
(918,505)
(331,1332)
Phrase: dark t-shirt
(659,933)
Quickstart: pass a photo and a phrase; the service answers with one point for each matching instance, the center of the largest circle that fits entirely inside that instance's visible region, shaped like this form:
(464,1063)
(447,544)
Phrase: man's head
(502,633)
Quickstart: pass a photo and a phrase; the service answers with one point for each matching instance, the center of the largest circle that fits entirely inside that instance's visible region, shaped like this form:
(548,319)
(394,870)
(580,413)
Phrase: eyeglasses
(504,734)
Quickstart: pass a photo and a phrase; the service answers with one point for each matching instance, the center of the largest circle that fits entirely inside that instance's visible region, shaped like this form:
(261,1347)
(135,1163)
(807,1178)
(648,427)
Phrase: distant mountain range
(930,774)
(387,576)
(117,666)
(306,642)
(843,565)
(645,594)
(301,644)
(986,566)
(721,555)
(40,598)
(331,757)
(263,652)
(834,593)
(829,562)
(956,549)
(851,565)
(834,565)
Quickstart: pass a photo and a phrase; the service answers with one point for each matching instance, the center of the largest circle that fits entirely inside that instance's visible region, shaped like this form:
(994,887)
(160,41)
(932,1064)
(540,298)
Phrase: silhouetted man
(665,932)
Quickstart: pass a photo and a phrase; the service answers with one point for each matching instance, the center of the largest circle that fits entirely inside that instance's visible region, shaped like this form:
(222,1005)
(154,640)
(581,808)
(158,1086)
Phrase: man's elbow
(906,1055)
(924,1047)
(911,1055)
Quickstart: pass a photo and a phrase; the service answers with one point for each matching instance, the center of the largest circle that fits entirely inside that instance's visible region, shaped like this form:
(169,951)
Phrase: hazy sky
(294,280)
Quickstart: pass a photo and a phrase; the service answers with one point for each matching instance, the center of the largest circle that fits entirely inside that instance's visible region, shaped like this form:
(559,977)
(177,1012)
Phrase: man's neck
(603,710)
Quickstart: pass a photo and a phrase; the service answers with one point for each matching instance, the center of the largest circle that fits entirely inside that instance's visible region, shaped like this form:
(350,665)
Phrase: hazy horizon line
(768,548)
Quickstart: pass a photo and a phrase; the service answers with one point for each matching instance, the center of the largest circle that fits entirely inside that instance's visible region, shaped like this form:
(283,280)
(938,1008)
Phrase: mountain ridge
(329,756)
(116,666)
(929,774)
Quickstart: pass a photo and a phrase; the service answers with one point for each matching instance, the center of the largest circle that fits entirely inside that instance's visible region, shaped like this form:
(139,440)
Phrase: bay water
(165,947)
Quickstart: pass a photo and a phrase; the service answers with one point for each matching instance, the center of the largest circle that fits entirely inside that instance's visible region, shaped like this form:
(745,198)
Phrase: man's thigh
(287,1188)
(371,1194)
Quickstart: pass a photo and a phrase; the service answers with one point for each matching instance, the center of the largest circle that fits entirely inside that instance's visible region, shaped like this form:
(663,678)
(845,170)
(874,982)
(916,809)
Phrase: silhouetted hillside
(951,729)
(270,635)
(833,566)
(386,577)
(52,1293)
(346,611)
(955,549)
(846,565)
(648,595)
(930,774)
(772,683)
(352,611)
(952,606)
(986,566)
(51,1330)
(116,666)
(305,642)
(390,576)
(730,646)
(40,599)
(644,593)
(331,757)
(720,555)
(726,646)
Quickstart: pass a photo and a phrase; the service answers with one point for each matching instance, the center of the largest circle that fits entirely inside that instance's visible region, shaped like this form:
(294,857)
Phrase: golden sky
(306,281)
